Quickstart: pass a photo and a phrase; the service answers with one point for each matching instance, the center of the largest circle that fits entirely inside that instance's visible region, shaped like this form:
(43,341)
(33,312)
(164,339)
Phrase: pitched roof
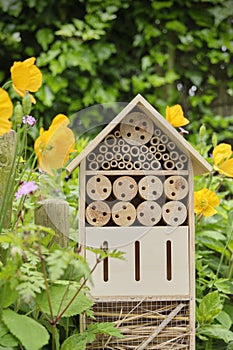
(200,165)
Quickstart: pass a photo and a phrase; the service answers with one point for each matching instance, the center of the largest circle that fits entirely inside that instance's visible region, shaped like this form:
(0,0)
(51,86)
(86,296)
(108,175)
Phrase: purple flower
(26,188)
(183,131)
(28,119)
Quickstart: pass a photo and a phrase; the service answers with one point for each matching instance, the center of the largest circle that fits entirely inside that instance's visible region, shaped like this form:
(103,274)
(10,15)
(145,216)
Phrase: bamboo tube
(183,158)
(152,149)
(146,165)
(136,128)
(126,158)
(176,187)
(158,155)
(121,165)
(91,156)
(116,149)
(164,139)
(121,142)
(179,165)
(165,156)
(114,163)
(117,134)
(144,149)
(103,148)
(100,158)
(129,166)
(93,165)
(157,132)
(105,165)
(109,156)
(155,165)
(134,151)
(99,187)
(137,165)
(98,213)
(141,157)
(150,187)
(149,213)
(118,156)
(125,188)
(161,148)
(125,148)
(110,140)
(171,146)
(174,213)
(174,155)
(155,140)
(169,164)
(149,156)
(123,213)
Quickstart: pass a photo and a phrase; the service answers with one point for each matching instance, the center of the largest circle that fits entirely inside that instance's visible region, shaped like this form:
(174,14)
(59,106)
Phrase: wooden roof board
(200,165)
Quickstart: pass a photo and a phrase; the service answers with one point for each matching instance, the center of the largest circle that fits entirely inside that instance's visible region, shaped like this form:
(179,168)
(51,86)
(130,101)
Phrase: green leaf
(76,341)
(224,319)
(58,261)
(176,26)
(44,37)
(209,308)
(60,296)
(31,334)
(230,346)
(105,328)
(224,285)
(217,332)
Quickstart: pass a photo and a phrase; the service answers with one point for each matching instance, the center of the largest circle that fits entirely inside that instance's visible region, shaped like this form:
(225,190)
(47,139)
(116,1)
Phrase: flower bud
(18,113)
(214,139)
(202,132)
(27,104)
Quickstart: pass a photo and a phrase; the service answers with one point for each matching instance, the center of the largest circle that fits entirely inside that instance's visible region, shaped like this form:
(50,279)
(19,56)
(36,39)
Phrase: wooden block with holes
(136,195)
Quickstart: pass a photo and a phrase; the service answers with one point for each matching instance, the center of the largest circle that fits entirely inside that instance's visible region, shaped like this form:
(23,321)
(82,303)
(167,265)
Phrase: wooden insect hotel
(136,195)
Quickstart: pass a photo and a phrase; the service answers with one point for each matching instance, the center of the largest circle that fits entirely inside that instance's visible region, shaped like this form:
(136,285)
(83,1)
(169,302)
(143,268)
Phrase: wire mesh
(137,320)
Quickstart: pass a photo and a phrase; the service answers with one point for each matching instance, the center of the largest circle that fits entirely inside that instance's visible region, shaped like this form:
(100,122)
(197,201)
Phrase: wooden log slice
(125,188)
(123,213)
(149,213)
(174,213)
(98,213)
(136,128)
(176,187)
(99,187)
(150,187)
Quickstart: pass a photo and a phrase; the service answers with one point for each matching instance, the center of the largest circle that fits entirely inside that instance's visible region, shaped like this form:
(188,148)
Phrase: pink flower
(28,119)
(26,188)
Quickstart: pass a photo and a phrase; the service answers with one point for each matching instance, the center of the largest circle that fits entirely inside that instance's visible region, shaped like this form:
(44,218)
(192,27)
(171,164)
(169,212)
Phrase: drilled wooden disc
(98,213)
(150,187)
(176,187)
(125,188)
(174,213)
(136,128)
(149,213)
(99,187)
(123,213)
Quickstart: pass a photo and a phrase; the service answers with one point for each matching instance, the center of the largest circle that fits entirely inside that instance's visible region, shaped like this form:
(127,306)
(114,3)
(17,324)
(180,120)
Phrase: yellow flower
(26,77)
(6,109)
(223,161)
(205,201)
(54,146)
(175,116)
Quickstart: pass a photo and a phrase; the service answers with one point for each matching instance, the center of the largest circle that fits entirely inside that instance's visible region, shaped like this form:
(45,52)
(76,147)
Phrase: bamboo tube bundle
(91,156)
(150,187)
(106,165)
(121,165)
(94,165)
(174,213)
(149,156)
(149,213)
(183,158)
(142,157)
(125,148)
(103,148)
(169,164)
(123,213)
(118,156)
(145,165)
(117,134)
(137,165)
(134,151)
(174,155)
(125,188)
(155,140)
(179,166)
(129,166)
(113,163)
(161,147)
(100,158)
(136,128)
(121,142)
(110,140)
(165,156)
(158,155)
(116,149)
(144,149)
(157,132)
(155,165)
(98,213)
(109,156)
(176,187)
(99,187)
(164,139)
(126,158)
(152,149)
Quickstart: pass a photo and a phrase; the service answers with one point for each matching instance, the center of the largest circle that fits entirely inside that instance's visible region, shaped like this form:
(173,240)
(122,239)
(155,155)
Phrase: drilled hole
(128,134)
(152,181)
(154,193)
(120,183)
(117,216)
(153,219)
(92,191)
(124,207)
(104,213)
(131,186)
(98,179)
(105,190)
(142,137)
(141,214)
(137,128)
(175,219)
(94,220)
(93,207)
(144,123)
(128,217)
(143,188)
(123,195)
(152,207)
(179,208)
(173,194)
(171,182)
(131,120)
(167,210)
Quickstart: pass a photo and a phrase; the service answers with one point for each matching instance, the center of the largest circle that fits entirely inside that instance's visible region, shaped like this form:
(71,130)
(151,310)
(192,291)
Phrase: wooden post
(54,213)
(7,152)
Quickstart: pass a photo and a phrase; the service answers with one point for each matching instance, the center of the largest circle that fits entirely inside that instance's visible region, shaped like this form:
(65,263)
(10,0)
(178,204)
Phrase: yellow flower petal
(221,153)
(205,201)
(6,106)
(26,76)
(5,126)
(54,146)
(226,168)
(175,116)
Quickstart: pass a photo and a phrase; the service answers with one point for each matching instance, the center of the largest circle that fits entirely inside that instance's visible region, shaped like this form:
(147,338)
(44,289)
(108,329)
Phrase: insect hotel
(136,195)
